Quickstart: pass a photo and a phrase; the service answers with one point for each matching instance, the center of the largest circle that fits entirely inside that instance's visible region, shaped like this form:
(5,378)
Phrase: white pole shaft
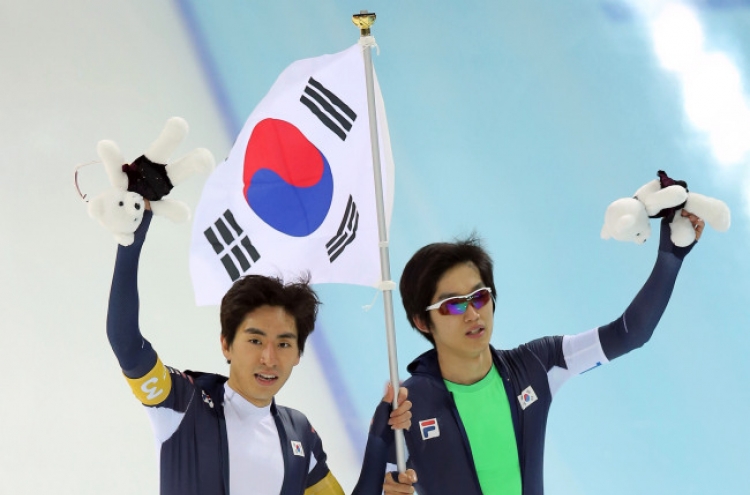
(385,265)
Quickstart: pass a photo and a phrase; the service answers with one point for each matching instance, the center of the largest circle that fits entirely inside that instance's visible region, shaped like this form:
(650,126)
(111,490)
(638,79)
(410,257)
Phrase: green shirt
(485,413)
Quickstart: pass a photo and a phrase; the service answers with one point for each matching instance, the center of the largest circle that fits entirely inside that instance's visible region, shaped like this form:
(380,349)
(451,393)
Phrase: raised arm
(636,325)
(587,350)
(146,375)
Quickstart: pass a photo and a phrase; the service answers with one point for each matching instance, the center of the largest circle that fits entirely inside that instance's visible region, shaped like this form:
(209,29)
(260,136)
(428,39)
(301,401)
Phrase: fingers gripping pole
(364,20)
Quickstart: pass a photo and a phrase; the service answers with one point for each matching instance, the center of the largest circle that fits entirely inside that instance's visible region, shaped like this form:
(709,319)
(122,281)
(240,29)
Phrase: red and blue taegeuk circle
(287,180)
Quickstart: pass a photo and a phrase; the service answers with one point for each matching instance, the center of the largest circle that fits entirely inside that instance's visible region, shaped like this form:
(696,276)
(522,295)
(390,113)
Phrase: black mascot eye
(122,204)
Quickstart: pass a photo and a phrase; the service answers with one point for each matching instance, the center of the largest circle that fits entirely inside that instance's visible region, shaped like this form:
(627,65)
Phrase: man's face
(263,354)
(467,335)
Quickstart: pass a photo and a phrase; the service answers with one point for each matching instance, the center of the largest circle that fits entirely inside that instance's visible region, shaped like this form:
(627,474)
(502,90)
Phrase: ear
(624,223)
(421,324)
(225,348)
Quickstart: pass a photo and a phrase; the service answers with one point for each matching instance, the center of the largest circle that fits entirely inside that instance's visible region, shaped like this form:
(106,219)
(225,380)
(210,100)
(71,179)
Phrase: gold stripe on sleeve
(152,388)
(326,486)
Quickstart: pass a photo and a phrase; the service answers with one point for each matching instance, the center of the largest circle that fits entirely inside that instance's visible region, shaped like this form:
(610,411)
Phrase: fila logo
(429,428)
(297,449)
(527,397)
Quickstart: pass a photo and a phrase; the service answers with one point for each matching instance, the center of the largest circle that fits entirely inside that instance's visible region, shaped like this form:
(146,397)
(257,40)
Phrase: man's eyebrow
(254,331)
(258,331)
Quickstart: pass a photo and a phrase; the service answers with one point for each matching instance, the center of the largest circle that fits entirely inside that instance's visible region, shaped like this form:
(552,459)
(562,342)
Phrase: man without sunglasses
(217,434)
(480,413)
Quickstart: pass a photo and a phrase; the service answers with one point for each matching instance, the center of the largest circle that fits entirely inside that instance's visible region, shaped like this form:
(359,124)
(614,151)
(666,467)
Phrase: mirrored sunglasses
(458,305)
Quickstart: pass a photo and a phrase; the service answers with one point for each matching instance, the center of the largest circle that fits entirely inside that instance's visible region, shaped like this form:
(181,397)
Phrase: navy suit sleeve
(636,325)
(379,451)
(321,470)
(134,353)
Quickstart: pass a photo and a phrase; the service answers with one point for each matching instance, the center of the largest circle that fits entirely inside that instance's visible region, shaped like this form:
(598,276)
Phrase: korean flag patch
(297,449)
(527,397)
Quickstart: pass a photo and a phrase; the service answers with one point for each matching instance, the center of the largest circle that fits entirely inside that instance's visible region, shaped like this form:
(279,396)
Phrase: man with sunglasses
(480,413)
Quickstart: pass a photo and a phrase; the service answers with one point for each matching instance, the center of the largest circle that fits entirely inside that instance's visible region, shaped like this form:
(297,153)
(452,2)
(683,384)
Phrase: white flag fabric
(296,193)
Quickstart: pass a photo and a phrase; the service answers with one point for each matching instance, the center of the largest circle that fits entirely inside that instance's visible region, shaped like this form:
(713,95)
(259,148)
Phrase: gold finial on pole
(363,21)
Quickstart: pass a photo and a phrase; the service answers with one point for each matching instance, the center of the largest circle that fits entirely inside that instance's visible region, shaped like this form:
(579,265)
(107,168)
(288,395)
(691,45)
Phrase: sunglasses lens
(481,298)
(455,306)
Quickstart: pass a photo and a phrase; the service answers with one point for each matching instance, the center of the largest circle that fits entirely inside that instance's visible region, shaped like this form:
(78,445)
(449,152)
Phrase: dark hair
(425,268)
(253,291)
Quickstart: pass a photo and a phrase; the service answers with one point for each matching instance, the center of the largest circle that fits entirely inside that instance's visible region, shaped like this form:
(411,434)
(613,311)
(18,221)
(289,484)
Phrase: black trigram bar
(346,233)
(334,113)
(231,246)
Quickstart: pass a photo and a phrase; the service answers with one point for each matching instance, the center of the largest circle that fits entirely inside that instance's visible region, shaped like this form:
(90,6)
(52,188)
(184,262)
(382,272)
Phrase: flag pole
(364,20)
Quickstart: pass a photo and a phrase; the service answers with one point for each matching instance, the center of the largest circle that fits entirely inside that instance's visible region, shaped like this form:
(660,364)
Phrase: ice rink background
(519,121)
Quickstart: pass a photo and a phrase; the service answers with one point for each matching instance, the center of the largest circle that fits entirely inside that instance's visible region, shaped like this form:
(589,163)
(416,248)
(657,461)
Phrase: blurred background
(518,121)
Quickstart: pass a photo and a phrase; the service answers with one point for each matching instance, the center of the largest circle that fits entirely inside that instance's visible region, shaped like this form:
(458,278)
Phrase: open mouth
(265,379)
(475,332)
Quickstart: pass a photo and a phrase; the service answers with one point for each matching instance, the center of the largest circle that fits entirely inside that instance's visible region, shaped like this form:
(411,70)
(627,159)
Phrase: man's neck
(465,370)
(236,388)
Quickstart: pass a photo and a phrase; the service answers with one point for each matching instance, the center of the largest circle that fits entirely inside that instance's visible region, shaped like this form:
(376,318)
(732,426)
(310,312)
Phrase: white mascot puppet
(627,219)
(120,208)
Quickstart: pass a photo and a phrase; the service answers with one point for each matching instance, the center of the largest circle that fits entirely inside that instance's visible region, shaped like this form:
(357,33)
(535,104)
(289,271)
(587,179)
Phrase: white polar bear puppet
(120,208)
(627,219)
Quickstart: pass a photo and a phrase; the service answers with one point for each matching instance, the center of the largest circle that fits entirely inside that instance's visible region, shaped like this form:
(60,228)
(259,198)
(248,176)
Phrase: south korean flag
(296,193)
